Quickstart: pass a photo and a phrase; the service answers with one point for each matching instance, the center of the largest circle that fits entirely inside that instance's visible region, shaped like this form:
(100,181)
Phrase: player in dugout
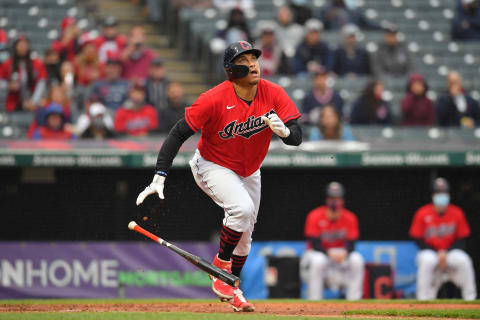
(236,119)
(440,229)
(331,232)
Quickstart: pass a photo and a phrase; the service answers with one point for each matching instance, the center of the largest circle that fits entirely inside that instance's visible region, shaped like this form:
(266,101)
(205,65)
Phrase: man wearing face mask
(136,57)
(331,231)
(440,229)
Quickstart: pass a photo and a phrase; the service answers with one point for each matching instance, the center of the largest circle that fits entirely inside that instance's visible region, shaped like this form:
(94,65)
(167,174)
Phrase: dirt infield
(262,307)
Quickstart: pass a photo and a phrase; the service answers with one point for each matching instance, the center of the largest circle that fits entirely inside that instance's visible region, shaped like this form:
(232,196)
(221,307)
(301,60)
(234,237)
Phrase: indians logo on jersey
(251,126)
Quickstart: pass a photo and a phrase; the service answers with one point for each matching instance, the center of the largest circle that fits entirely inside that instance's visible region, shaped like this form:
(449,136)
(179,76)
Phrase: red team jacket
(333,234)
(439,231)
(233,133)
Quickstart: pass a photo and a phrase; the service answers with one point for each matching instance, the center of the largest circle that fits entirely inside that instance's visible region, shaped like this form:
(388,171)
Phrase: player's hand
(337,254)
(277,125)
(442,259)
(155,187)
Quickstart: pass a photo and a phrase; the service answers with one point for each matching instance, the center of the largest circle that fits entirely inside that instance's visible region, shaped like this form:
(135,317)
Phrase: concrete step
(185,77)
(194,89)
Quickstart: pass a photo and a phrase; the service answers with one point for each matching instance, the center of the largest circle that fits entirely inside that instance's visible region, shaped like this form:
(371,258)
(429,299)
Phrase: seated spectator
(417,108)
(111,91)
(3,46)
(135,117)
(237,28)
(156,85)
(339,14)
(96,123)
(56,95)
(54,125)
(370,108)
(350,59)
(110,43)
(320,96)
(52,65)
(456,107)
(67,77)
(88,67)
(175,109)
(312,54)
(466,24)
(301,11)
(271,52)
(26,77)
(288,33)
(136,56)
(68,44)
(330,126)
(392,56)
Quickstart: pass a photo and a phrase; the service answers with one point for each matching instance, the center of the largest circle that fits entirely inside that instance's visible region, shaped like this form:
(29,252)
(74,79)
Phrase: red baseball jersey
(439,231)
(233,133)
(136,122)
(333,234)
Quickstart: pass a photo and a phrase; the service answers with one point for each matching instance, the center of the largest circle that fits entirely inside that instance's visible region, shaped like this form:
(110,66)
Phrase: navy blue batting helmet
(233,51)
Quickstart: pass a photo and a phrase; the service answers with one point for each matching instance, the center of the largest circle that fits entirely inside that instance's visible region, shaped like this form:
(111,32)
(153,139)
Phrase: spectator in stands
(312,54)
(417,108)
(52,65)
(227,5)
(271,57)
(237,28)
(350,59)
(456,107)
(466,25)
(331,231)
(54,125)
(441,230)
(339,14)
(26,77)
(96,123)
(3,46)
(137,57)
(330,126)
(175,109)
(111,91)
(88,67)
(110,43)
(392,56)
(68,45)
(156,84)
(301,11)
(135,117)
(67,77)
(320,96)
(370,108)
(56,95)
(288,33)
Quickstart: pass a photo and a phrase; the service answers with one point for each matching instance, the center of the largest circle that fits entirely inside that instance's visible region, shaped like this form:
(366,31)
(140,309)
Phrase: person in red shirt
(237,119)
(110,43)
(440,229)
(26,77)
(68,44)
(331,231)
(136,57)
(53,125)
(88,66)
(135,117)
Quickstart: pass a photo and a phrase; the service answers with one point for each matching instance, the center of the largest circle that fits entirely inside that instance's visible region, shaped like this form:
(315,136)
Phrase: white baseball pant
(317,268)
(238,196)
(459,270)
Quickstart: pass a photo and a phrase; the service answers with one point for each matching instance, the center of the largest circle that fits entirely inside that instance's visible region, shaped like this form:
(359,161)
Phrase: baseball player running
(440,229)
(236,119)
(331,232)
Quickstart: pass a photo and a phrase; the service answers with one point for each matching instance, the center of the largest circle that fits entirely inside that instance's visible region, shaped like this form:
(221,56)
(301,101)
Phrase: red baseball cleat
(239,303)
(220,288)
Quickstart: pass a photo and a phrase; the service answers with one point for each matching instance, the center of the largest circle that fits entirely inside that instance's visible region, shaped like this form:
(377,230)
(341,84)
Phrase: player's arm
(316,244)
(290,132)
(177,136)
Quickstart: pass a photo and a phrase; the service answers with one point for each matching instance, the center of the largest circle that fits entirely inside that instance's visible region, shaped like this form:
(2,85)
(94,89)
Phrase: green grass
(446,313)
(103,301)
(152,316)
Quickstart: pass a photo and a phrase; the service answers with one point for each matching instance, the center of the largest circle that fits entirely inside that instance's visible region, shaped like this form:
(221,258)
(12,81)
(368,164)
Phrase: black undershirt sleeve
(422,245)
(349,246)
(317,245)
(459,244)
(295,137)
(176,137)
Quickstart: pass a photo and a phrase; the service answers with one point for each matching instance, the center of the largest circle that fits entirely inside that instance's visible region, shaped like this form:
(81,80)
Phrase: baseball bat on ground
(200,263)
